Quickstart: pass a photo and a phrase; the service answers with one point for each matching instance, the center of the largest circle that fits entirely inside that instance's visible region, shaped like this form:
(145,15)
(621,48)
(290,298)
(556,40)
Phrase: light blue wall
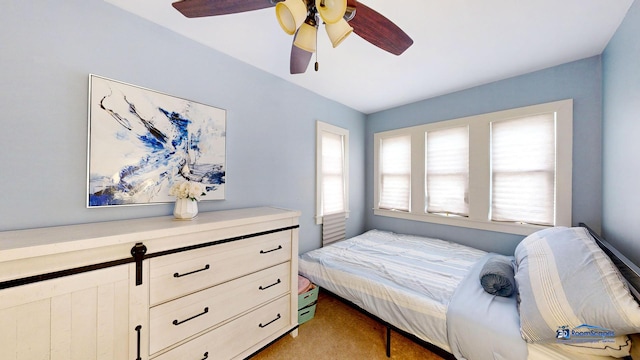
(621,134)
(580,80)
(47,50)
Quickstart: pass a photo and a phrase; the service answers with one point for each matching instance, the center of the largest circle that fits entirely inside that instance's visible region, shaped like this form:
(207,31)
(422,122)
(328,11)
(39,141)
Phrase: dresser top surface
(17,244)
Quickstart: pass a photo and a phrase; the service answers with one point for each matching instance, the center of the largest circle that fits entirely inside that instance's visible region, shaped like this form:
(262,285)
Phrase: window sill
(510,228)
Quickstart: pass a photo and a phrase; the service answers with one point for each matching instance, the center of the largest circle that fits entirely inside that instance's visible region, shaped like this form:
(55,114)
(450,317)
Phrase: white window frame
(322,127)
(480,169)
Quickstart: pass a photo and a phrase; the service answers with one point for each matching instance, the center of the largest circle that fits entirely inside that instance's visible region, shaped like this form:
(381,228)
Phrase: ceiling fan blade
(378,30)
(299,59)
(200,8)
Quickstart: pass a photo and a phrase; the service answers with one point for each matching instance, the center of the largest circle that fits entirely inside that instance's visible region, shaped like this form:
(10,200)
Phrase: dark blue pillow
(497,276)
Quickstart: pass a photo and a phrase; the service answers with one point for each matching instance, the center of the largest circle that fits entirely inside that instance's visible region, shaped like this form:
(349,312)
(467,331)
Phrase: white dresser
(221,286)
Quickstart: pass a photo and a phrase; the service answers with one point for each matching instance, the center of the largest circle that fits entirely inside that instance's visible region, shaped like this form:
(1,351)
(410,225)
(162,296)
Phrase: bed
(441,293)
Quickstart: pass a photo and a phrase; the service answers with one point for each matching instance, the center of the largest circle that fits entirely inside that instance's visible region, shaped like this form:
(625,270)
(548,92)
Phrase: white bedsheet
(405,280)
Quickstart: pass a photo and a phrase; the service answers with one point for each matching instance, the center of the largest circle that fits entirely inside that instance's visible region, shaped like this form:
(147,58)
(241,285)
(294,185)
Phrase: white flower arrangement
(188,190)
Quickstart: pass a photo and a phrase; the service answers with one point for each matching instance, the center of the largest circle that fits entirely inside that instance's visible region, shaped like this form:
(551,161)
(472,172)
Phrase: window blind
(395,173)
(447,171)
(333,191)
(523,170)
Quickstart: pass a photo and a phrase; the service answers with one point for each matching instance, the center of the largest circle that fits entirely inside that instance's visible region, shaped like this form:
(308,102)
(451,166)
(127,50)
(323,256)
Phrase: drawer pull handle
(268,286)
(138,328)
(176,322)
(268,251)
(267,324)
(206,356)
(176,275)
(305,313)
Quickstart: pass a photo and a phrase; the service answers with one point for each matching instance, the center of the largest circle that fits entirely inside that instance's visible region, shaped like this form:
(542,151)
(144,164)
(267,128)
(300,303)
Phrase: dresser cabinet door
(83,317)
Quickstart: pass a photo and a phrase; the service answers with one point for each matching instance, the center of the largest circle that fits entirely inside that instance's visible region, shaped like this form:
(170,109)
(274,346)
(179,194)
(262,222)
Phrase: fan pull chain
(316,65)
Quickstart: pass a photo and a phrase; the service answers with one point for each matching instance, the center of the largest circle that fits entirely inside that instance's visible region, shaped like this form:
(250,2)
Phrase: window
(395,173)
(332,170)
(523,170)
(447,171)
(508,171)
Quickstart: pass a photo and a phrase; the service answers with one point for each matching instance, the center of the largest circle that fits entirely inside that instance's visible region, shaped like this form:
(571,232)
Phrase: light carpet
(338,331)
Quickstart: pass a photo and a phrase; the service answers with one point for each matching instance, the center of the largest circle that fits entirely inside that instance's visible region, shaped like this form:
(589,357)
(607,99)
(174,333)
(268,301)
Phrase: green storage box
(305,314)
(306,298)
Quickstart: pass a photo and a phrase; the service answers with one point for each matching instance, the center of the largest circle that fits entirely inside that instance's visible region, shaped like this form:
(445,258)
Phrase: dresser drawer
(178,319)
(179,274)
(233,338)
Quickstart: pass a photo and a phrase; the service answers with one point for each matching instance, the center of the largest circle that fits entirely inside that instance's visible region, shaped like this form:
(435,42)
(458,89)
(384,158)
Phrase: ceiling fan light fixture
(306,36)
(338,31)
(331,11)
(350,13)
(291,15)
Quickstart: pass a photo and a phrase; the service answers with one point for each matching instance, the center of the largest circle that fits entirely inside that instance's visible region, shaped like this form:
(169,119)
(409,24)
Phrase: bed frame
(629,270)
(433,348)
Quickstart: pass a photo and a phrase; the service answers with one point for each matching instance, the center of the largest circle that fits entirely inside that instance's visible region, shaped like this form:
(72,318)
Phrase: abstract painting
(141,142)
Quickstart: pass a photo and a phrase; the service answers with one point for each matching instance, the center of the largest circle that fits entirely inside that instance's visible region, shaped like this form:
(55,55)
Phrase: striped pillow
(566,281)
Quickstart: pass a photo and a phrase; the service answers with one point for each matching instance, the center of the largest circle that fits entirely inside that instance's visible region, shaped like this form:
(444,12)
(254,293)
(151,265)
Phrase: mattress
(404,280)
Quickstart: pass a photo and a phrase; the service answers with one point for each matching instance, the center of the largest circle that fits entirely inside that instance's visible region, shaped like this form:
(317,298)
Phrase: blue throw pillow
(497,276)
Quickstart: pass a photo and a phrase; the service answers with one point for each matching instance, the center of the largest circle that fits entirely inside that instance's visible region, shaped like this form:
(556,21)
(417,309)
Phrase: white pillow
(565,280)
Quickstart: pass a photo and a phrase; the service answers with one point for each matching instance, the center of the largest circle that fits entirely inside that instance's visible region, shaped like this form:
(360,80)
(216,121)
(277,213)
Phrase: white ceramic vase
(185,209)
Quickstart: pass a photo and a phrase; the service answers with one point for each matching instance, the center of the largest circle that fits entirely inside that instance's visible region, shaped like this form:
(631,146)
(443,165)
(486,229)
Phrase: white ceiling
(458,44)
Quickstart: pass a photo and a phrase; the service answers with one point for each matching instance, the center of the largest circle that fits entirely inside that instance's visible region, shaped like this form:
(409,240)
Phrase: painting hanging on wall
(142,141)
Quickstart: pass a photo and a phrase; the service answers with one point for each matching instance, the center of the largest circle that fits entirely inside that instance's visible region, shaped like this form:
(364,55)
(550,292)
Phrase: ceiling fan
(302,17)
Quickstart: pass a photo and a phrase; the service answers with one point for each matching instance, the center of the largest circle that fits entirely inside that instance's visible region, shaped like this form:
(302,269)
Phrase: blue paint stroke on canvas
(141,142)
